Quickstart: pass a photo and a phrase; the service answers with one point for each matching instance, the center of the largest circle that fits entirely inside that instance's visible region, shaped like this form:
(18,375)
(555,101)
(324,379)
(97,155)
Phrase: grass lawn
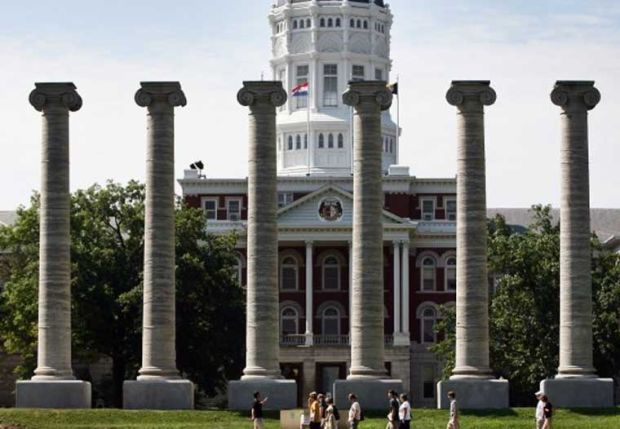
(423,418)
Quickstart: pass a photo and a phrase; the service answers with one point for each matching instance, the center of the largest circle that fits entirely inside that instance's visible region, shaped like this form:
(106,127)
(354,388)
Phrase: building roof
(377,2)
(604,222)
(7,217)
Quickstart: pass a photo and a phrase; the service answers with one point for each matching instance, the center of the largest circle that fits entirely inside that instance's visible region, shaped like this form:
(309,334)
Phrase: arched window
(308,23)
(428,274)
(365,25)
(330,319)
(330,22)
(290,142)
(237,270)
(305,141)
(428,317)
(331,273)
(289,321)
(359,23)
(337,22)
(340,141)
(321,141)
(330,141)
(322,22)
(391,145)
(279,143)
(288,274)
(298,142)
(302,23)
(352,23)
(294,24)
(451,274)
(385,144)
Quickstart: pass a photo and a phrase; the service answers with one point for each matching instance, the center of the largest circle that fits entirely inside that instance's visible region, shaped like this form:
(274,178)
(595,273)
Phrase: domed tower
(327,43)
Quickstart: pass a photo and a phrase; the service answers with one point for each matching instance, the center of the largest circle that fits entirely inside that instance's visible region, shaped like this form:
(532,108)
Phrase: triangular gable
(305,211)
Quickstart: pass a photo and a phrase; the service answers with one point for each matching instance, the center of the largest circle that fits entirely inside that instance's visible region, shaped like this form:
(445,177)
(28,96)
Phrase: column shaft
(405,289)
(396,287)
(262,346)
(309,291)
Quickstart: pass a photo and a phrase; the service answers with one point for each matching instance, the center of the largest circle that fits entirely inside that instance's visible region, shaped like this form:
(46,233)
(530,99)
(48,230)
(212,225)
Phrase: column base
(53,394)
(579,392)
(401,339)
(282,393)
(158,395)
(474,394)
(371,393)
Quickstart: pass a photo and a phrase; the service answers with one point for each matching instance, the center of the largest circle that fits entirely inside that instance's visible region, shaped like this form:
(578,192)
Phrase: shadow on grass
(609,412)
(509,412)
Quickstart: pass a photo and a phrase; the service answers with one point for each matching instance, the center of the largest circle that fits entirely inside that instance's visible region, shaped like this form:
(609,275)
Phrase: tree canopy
(524,307)
(107,251)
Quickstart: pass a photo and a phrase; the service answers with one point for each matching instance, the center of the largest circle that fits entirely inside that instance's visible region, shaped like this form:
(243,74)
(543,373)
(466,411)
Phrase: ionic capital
(471,95)
(368,95)
(60,94)
(152,93)
(266,93)
(574,95)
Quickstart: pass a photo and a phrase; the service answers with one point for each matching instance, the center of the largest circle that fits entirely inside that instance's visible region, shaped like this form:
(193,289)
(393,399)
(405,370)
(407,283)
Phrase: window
(428,209)
(331,273)
(290,142)
(294,24)
(305,141)
(365,25)
(337,22)
(298,142)
(428,274)
(302,77)
(284,199)
(330,22)
(451,274)
(233,209)
(308,23)
(359,23)
(238,271)
(357,73)
(289,321)
(427,324)
(321,141)
(391,145)
(330,141)
(331,321)
(352,23)
(302,24)
(288,274)
(210,208)
(378,74)
(281,78)
(330,85)
(322,22)
(385,144)
(340,141)
(451,209)
(428,381)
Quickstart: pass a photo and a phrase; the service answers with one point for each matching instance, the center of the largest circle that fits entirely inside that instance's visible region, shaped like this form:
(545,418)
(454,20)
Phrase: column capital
(396,243)
(269,93)
(160,92)
(471,95)
(575,95)
(309,243)
(55,93)
(368,95)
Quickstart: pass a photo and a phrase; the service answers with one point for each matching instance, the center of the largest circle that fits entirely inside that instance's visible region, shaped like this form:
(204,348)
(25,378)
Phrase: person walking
(257,411)
(540,412)
(548,411)
(355,412)
(314,405)
(453,423)
(322,407)
(404,412)
(332,416)
(392,410)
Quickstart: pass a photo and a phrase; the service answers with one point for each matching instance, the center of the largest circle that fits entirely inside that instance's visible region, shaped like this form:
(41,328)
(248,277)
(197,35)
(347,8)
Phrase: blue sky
(107,47)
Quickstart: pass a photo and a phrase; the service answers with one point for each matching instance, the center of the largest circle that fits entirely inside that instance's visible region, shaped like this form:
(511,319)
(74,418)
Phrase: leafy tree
(107,230)
(524,308)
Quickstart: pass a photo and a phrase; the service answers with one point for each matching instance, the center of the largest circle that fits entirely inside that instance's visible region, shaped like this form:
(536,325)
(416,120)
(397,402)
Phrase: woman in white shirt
(404,412)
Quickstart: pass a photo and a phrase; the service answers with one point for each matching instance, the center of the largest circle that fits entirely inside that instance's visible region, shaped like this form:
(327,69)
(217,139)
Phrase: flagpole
(397,118)
(308,141)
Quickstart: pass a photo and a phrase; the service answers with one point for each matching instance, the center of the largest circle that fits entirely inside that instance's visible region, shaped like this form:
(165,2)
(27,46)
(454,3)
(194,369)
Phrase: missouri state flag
(300,90)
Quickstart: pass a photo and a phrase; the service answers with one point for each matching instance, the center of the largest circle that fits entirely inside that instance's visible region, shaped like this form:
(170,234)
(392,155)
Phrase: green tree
(524,307)
(107,229)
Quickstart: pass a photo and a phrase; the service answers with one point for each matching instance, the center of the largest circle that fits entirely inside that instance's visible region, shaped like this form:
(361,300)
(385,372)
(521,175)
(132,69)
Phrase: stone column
(309,291)
(396,288)
(53,384)
(472,314)
(350,247)
(262,370)
(405,292)
(576,384)
(369,99)
(159,385)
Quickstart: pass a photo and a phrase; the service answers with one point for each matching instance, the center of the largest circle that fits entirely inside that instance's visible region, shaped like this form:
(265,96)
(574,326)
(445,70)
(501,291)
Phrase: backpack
(336,412)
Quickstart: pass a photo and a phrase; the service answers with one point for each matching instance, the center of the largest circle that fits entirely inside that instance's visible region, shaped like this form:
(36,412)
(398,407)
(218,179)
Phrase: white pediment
(327,206)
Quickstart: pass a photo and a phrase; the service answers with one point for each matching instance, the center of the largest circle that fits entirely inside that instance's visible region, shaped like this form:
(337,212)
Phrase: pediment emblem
(330,209)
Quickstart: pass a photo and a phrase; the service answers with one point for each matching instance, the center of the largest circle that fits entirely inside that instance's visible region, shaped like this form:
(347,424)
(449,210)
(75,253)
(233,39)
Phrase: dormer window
(428,208)
(233,209)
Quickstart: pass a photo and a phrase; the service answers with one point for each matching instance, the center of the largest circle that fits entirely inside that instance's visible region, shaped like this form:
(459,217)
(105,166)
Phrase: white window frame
(423,319)
(423,267)
(358,77)
(295,267)
(337,318)
(228,212)
(295,318)
(302,101)
(339,270)
(448,268)
(433,200)
(284,199)
(331,102)
(217,206)
(445,203)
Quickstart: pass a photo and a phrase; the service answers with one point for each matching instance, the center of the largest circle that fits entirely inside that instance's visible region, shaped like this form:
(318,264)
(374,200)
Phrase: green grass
(423,418)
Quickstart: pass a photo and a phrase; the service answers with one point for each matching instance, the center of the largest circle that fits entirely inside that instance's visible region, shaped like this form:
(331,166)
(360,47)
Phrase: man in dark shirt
(393,412)
(257,411)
